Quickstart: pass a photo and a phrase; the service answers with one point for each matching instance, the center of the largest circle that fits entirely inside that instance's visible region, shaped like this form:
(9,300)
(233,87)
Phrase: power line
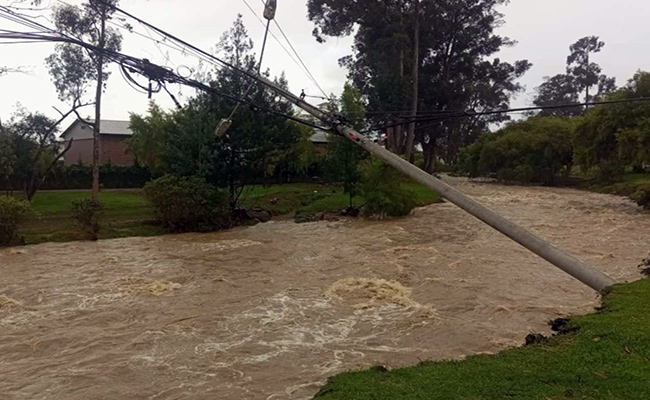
(129,64)
(181,49)
(466,114)
(274,37)
(304,66)
(300,59)
(178,40)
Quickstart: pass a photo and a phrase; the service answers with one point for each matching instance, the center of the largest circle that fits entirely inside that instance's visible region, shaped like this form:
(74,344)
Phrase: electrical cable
(465,114)
(153,72)
(274,37)
(309,74)
(300,59)
(178,40)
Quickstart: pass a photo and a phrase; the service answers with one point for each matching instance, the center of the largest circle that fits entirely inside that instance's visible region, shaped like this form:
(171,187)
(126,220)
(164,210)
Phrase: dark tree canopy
(457,42)
(255,143)
(617,136)
(73,68)
(559,89)
(581,75)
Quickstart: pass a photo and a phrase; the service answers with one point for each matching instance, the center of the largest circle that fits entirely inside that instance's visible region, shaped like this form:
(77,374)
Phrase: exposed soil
(270,311)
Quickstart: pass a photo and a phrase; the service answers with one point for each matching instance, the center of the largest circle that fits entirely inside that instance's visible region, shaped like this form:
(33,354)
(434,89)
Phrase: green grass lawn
(630,184)
(127,213)
(608,358)
(335,199)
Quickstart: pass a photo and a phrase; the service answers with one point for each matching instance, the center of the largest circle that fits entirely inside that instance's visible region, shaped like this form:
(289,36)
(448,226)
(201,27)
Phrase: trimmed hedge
(110,177)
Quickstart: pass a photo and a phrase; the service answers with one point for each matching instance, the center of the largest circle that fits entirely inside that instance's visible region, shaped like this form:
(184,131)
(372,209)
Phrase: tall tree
(581,75)
(148,138)
(579,65)
(456,71)
(381,53)
(415,78)
(344,156)
(75,69)
(247,153)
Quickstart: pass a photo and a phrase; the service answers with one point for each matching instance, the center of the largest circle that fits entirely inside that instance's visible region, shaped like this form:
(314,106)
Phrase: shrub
(88,214)
(535,150)
(188,204)
(384,193)
(13,212)
(642,198)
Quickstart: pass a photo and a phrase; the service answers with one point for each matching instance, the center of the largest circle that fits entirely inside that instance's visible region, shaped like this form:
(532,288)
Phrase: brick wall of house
(80,152)
(113,151)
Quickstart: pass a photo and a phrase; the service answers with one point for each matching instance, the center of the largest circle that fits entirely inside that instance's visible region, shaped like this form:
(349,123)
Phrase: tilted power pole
(586,274)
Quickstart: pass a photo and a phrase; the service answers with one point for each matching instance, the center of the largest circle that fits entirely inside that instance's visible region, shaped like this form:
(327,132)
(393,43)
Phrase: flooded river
(270,311)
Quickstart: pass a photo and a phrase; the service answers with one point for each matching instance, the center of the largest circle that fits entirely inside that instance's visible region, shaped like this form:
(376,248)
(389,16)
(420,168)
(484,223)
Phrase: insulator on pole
(269,10)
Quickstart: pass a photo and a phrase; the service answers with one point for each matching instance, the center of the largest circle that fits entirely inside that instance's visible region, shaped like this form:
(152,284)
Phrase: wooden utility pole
(410,138)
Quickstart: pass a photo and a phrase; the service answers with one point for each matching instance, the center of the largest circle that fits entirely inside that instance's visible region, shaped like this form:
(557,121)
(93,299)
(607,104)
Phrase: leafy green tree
(457,72)
(149,135)
(559,89)
(384,191)
(74,69)
(13,213)
(615,137)
(30,139)
(581,75)
(585,72)
(297,160)
(7,156)
(535,150)
(253,145)
(344,156)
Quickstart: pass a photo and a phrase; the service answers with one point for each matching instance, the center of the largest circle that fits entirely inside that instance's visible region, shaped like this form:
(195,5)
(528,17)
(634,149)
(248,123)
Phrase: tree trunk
(399,138)
(231,179)
(429,157)
(390,141)
(98,109)
(587,84)
(410,138)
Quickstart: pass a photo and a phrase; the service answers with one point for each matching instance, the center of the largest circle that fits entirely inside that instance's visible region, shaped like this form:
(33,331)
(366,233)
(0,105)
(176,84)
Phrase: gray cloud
(544,30)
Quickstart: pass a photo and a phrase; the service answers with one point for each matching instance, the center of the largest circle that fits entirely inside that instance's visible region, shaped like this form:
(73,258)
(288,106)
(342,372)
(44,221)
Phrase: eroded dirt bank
(269,312)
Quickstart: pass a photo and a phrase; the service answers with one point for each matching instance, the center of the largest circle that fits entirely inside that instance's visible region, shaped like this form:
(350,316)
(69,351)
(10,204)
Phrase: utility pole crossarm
(586,274)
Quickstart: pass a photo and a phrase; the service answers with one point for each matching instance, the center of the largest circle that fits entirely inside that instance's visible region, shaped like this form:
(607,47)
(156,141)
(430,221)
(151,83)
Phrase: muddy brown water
(269,312)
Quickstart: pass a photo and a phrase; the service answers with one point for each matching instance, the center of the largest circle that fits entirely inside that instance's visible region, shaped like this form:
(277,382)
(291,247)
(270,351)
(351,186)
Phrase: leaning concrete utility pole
(586,274)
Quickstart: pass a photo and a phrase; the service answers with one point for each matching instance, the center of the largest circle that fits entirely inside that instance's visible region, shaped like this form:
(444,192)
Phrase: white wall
(80,131)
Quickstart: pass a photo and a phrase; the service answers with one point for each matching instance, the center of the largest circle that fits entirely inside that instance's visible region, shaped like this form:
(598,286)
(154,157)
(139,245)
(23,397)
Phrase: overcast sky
(544,30)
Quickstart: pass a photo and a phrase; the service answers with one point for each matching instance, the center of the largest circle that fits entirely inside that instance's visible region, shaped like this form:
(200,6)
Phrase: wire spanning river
(269,312)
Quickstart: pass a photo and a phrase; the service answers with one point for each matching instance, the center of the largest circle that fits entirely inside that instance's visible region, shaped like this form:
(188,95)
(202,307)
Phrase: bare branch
(19,70)
(75,107)
(76,104)
(80,118)
(34,187)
